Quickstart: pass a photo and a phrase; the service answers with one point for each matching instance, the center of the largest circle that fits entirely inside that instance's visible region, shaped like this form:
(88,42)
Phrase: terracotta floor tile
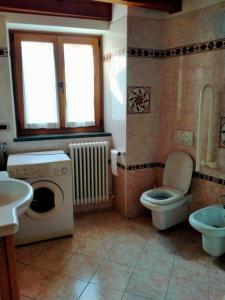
(63,288)
(96,292)
(140,229)
(106,233)
(90,232)
(132,297)
(216,283)
(111,230)
(156,259)
(126,235)
(93,247)
(32,280)
(34,250)
(81,266)
(125,253)
(170,233)
(193,248)
(51,259)
(101,218)
(216,294)
(188,235)
(113,275)
(217,272)
(64,243)
(104,250)
(23,297)
(183,289)
(191,268)
(148,284)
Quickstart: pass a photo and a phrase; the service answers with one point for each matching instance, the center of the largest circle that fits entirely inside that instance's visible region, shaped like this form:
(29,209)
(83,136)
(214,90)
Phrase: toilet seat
(162,195)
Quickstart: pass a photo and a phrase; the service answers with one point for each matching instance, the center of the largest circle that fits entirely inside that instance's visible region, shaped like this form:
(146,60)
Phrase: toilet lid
(178,171)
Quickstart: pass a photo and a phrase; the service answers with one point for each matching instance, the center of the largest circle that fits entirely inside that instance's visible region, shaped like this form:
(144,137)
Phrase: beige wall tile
(144,32)
(119,185)
(138,181)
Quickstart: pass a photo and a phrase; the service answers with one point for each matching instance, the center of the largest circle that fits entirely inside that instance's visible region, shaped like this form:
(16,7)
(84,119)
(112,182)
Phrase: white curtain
(79,73)
(39,85)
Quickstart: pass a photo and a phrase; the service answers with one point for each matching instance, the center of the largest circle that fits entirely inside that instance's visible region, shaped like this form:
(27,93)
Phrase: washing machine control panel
(20,173)
(39,171)
(24,173)
(61,171)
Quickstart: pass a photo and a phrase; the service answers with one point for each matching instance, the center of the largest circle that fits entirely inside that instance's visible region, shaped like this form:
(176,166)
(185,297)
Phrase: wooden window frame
(57,39)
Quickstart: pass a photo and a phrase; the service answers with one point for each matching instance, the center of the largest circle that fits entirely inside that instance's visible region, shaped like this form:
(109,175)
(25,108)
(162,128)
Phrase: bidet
(210,222)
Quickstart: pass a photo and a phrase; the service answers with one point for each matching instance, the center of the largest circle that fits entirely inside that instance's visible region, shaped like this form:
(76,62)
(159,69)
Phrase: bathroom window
(57,84)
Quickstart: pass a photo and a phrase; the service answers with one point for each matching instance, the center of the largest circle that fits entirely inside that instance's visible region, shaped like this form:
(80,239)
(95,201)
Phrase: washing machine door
(47,200)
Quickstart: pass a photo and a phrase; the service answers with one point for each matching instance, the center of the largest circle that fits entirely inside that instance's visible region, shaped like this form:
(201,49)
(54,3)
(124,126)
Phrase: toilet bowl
(169,203)
(210,222)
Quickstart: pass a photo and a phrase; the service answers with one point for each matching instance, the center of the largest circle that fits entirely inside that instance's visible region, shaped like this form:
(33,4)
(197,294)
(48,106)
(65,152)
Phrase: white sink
(15,198)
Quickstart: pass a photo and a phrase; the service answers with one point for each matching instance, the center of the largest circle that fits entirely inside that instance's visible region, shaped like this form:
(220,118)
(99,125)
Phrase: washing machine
(50,214)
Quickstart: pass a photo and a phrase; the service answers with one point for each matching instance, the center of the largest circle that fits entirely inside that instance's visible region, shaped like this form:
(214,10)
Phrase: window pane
(39,85)
(79,74)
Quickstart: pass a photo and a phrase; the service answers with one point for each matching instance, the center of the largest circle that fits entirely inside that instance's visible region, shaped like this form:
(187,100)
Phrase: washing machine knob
(64,170)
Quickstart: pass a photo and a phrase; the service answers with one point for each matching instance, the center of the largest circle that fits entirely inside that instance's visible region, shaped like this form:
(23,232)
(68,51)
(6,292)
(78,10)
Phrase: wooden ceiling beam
(170,6)
(90,9)
(64,8)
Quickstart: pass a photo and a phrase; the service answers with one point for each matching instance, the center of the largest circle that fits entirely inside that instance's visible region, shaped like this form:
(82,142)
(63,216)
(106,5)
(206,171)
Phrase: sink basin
(15,198)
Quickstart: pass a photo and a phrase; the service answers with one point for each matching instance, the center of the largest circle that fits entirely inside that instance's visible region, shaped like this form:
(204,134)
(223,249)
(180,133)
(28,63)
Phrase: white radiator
(90,172)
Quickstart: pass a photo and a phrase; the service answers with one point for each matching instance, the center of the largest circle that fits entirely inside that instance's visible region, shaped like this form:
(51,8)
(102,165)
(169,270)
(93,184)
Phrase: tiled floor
(110,258)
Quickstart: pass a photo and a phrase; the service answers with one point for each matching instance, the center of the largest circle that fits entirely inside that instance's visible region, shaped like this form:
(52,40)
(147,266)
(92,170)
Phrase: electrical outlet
(184,137)
(4,126)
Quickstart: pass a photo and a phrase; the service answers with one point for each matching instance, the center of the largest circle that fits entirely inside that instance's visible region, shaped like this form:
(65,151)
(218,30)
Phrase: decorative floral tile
(138,100)
(222,133)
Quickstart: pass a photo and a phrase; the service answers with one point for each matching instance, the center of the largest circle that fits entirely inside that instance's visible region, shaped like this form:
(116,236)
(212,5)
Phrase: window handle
(61,86)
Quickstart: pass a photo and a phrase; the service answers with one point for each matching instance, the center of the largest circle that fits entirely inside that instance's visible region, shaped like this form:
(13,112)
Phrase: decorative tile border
(108,56)
(141,166)
(177,51)
(3,52)
(121,166)
(145,166)
(209,178)
(197,48)
(162,165)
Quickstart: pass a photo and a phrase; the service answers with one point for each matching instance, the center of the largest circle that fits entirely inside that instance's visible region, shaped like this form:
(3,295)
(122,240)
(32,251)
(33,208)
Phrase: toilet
(169,203)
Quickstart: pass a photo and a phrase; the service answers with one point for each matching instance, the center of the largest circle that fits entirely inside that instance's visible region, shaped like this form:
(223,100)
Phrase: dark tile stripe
(162,165)
(209,178)
(177,51)
(107,57)
(3,52)
(141,166)
(144,166)
(121,166)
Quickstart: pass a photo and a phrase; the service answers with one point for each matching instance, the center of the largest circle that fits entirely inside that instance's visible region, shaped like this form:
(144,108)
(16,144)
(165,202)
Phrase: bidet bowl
(210,222)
